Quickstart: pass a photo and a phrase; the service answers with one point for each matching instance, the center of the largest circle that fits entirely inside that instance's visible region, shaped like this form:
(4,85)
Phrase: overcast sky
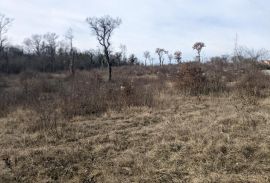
(148,24)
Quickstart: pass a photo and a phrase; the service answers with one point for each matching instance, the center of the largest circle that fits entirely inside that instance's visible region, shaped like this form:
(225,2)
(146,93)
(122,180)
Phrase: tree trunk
(107,56)
(72,63)
(110,72)
(7,62)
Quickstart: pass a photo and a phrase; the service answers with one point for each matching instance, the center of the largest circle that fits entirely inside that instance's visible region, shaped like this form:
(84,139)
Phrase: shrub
(48,116)
(253,84)
(136,94)
(191,79)
(89,95)
(83,95)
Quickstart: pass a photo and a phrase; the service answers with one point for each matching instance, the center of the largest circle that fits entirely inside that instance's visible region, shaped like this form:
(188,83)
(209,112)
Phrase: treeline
(47,53)
(53,56)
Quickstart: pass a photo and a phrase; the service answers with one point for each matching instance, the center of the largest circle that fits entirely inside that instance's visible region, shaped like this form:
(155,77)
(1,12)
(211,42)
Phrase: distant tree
(5,23)
(132,59)
(252,54)
(51,45)
(69,36)
(123,49)
(91,54)
(118,57)
(161,52)
(28,45)
(147,56)
(198,46)
(34,44)
(103,28)
(63,55)
(178,56)
(63,47)
(170,57)
(152,60)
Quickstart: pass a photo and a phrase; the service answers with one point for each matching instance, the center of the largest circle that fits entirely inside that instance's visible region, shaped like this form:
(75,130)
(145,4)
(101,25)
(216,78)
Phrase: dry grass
(175,139)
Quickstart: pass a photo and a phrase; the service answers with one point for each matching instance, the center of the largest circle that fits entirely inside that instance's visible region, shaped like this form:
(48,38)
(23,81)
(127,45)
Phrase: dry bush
(135,70)
(83,95)
(192,80)
(86,93)
(8,101)
(89,94)
(253,84)
(3,82)
(47,116)
(137,94)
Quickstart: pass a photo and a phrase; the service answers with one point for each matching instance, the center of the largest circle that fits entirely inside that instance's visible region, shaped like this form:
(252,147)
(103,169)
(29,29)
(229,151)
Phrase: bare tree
(103,28)
(252,54)
(170,57)
(51,45)
(70,36)
(161,52)
(147,56)
(152,61)
(28,45)
(34,44)
(198,46)
(123,49)
(132,59)
(118,57)
(178,56)
(5,23)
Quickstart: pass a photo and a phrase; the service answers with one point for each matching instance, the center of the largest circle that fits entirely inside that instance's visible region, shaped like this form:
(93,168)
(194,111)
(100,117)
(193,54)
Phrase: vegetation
(198,46)
(188,122)
(159,124)
(103,28)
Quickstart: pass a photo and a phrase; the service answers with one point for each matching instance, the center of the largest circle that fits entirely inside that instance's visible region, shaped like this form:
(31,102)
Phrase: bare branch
(103,28)
(5,23)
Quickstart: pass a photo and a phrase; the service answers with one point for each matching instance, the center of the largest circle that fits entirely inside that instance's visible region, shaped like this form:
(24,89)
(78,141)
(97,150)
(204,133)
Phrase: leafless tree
(63,47)
(5,23)
(152,61)
(34,44)
(147,56)
(252,54)
(132,59)
(70,36)
(103,28)
(198,46)
(123,49)
(28,45)
(178,56)
(170,57)
(161,52)
(51,45)
(117,57)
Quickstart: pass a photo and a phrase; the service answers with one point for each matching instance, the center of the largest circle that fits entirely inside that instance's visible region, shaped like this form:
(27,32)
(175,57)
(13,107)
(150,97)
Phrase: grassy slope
(188,139)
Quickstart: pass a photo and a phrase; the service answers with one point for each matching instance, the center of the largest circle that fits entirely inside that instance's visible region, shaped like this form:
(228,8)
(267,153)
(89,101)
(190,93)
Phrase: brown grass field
(141,129)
